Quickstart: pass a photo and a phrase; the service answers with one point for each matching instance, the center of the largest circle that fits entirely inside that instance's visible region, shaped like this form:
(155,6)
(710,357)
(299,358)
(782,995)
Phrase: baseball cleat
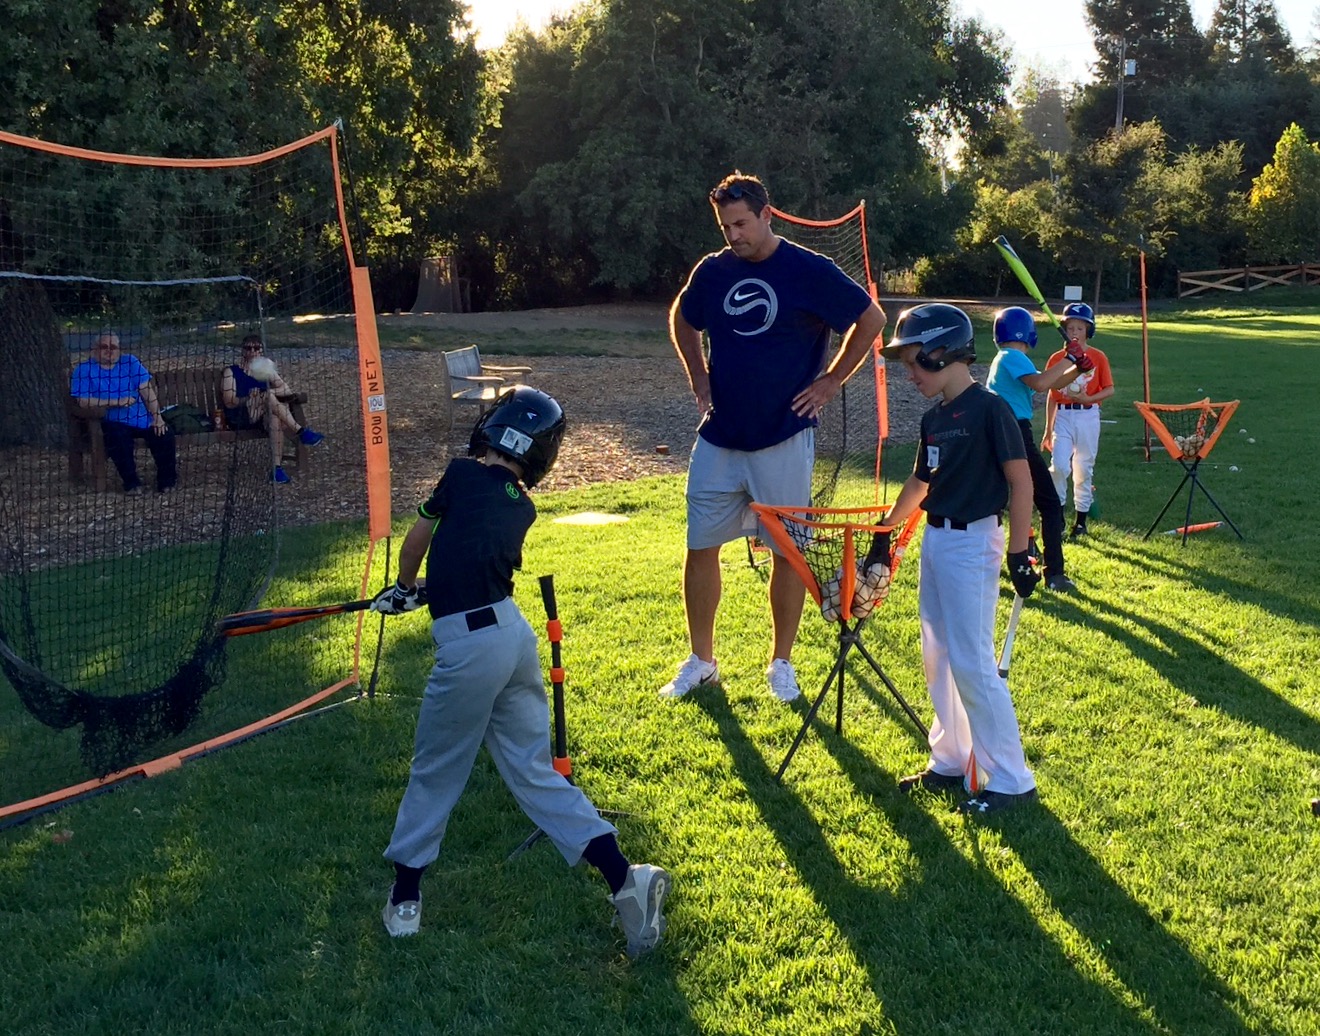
(693,673)
(931,781)
(1060,584)
(640,907)
(402,918)
(995,802)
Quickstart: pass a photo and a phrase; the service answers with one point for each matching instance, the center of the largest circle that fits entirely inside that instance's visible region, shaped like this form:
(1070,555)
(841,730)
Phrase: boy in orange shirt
(1072,414)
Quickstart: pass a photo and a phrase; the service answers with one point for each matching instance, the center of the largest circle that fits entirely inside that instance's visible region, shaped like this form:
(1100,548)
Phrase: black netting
(823,540)
(1187,432)
(847,440)
(110,592)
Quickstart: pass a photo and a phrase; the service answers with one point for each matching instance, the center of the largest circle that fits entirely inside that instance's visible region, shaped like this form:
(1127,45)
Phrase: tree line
(571,164)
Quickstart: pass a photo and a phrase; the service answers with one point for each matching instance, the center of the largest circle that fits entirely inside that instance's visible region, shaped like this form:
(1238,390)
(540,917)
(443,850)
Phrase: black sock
(602,852)
(407,884)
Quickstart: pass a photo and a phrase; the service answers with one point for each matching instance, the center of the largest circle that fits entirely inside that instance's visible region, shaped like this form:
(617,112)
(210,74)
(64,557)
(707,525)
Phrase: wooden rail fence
(1246,278)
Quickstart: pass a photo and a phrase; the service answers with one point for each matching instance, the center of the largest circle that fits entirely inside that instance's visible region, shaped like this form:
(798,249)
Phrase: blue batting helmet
(1080,311)
(1015,324)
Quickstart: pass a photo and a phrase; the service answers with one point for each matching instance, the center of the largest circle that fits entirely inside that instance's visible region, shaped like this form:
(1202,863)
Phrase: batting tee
(109,600)
(1188,432)
(823,546)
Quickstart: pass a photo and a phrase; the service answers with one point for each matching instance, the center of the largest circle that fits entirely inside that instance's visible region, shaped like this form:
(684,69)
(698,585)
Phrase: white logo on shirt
(748,295)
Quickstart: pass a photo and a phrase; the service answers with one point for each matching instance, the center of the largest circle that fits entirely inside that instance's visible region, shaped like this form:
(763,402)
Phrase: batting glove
(397,599)
(1022,573)
(880,552)
(1077,356)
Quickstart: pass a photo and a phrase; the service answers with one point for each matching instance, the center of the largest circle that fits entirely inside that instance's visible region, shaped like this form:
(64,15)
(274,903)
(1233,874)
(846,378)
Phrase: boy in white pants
(971,463)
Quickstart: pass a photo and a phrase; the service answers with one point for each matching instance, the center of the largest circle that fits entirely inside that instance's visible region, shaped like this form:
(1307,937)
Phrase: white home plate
(590,518)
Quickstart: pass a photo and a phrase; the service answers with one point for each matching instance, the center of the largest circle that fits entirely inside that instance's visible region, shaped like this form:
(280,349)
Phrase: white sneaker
(402,918)
(640,905)
(692,674)
(783,680)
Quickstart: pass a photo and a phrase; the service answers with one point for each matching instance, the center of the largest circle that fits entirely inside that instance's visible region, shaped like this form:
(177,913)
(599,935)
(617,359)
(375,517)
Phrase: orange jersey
(1084,385)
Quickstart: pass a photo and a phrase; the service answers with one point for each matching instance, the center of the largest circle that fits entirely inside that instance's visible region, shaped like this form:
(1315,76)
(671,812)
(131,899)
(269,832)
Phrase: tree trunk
(1095,302)
(36,368)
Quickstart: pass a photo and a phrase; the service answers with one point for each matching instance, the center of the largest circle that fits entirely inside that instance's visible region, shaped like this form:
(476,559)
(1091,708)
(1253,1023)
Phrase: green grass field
(1166,883)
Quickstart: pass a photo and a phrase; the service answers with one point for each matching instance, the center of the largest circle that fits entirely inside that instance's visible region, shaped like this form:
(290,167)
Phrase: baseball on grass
(263,368)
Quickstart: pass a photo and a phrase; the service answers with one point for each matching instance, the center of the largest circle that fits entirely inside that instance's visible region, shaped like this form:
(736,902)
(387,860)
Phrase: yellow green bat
(1015,264)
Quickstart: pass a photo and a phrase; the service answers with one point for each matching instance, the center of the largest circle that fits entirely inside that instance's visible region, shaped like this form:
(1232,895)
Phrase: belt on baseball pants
(938,521)
(457,624)
(1076,406)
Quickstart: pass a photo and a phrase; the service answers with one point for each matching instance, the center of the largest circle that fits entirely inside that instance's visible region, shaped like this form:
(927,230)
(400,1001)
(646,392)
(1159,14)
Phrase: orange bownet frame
(1188,431)
(822,544)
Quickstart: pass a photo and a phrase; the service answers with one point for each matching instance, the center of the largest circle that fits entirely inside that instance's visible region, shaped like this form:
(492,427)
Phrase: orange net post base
(841,556)
(1188,432)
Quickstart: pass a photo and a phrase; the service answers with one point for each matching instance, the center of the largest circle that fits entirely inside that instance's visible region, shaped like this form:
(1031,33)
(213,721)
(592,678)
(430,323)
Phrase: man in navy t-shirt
(767,307)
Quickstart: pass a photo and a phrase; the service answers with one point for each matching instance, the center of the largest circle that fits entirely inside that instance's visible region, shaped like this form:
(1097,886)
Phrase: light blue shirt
(1007,370)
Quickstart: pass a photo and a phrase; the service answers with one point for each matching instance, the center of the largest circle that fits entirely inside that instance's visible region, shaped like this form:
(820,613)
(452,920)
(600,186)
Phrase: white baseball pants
(1076,443)
(974,715)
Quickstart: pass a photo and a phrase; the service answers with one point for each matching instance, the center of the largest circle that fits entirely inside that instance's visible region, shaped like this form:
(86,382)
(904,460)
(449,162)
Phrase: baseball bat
(1006,656)
(1024,275)
(240,624)
(1183,530)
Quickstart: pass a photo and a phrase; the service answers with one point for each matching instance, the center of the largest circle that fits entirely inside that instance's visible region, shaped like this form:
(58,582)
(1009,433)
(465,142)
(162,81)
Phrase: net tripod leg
(1196,482)
(898,697)
(1172,497)
(836,672)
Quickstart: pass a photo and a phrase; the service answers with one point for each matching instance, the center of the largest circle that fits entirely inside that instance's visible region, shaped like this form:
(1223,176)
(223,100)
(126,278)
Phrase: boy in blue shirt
(1014,377)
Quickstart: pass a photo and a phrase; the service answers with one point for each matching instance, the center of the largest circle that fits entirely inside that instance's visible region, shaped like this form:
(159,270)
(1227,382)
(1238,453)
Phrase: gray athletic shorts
(721,483)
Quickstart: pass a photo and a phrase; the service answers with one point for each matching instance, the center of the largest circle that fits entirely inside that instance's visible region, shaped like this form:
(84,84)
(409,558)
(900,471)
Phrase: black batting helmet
(934,326)
(525,425)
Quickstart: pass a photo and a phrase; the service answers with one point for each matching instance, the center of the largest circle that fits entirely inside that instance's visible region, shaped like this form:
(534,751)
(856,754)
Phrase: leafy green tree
(1241,29)
(1160,36)
(829,100)
(1284,220)
(226,77)
(1109,201)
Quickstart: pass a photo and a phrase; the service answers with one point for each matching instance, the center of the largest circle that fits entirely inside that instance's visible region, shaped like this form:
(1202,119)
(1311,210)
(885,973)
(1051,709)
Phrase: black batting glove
(397,599)
(880,553)
(1022,573)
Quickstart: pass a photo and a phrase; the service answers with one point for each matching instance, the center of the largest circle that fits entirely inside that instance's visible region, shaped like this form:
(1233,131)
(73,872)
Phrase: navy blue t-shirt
(482,517)
(769,326)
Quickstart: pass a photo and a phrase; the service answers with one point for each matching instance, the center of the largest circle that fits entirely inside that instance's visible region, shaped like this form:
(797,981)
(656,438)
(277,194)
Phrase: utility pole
(1122,75)
(1125,68)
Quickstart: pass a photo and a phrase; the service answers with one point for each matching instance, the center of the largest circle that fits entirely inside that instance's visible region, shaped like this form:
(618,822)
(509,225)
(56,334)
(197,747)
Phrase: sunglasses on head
(737,192)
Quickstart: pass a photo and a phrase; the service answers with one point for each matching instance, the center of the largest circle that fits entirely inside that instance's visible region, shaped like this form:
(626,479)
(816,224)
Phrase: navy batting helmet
(1015,324)
(525,425)
(1080,311)
(934,326)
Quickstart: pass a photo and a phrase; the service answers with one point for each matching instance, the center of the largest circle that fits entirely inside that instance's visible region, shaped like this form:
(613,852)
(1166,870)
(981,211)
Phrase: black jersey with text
(482,516)
(964,446)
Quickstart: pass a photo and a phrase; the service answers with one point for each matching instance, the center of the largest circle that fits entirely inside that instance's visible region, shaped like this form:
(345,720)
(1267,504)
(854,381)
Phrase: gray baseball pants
(486,687)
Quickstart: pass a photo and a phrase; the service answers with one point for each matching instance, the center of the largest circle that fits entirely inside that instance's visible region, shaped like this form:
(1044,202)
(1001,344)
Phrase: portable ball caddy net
(822,546)
(1188,432)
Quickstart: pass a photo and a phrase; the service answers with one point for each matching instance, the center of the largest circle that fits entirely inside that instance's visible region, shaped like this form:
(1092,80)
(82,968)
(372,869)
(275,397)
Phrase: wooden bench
(475,382)
(200,386)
